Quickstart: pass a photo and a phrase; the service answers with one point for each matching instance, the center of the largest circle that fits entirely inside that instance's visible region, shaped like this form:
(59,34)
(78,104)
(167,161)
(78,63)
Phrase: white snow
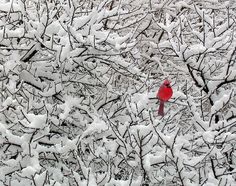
(97,126)
(220,103)
(70,102)
(9,6)
(30,78)
(37,121)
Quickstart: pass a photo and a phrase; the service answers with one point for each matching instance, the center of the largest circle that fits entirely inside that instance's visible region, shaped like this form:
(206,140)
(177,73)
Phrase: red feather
(161,109)
(164,94)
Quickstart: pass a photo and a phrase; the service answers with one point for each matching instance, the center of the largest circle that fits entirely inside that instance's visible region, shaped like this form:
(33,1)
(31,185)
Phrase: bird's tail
(161,109)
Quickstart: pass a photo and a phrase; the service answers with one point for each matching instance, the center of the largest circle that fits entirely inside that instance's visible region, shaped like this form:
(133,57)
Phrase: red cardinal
(164,94)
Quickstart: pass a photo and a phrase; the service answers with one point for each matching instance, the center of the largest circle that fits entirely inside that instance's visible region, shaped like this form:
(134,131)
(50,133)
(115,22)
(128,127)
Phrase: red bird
(164,94)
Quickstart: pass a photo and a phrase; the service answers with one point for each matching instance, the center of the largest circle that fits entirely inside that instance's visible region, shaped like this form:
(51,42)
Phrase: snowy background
(78,83)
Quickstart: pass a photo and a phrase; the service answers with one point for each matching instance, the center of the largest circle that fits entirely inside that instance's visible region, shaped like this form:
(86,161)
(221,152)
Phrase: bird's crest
(166,82)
